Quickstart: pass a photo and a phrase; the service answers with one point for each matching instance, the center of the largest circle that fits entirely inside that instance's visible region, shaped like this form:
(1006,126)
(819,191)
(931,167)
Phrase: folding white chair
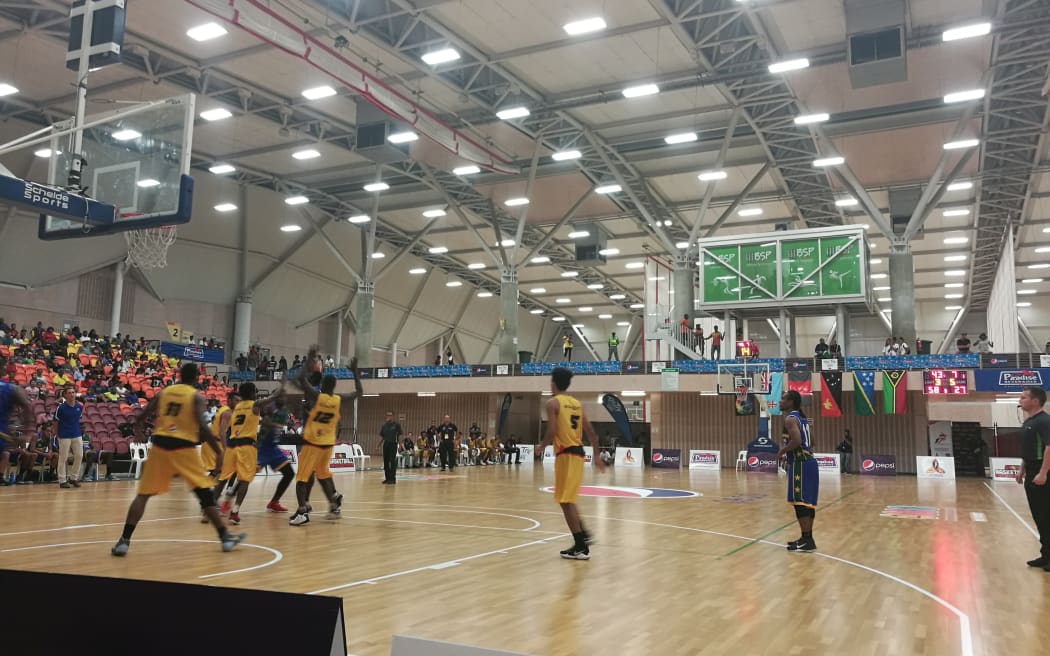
(139,452)
(741,460)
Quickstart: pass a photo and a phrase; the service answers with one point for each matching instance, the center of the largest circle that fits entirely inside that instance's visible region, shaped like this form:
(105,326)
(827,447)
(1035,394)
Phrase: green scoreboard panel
(823,265)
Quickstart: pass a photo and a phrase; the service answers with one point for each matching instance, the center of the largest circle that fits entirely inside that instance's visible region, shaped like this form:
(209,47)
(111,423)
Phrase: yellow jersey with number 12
(568,430)
(177,414)
(323,420)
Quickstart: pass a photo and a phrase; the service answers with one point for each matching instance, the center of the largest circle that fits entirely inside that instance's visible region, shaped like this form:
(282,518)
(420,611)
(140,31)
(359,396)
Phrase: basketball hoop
(148,249)
(741,393)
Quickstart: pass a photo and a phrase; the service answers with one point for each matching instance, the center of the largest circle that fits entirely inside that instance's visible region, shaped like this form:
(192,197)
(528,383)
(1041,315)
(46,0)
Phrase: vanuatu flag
(864,393)
(800,382)
(831,394)
(894,391)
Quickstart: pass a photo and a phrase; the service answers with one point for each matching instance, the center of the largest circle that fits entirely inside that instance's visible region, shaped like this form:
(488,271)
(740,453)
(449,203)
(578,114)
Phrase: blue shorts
(803,482)
(270,455)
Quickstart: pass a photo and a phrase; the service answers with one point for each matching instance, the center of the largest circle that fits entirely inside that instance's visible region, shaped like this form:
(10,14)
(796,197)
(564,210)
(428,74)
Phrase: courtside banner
(1010,380)
(527,452)
(194,353)
(935,467)
(614,406)
(667,458)
(709,460)
(341,459)
(1005,469)
(627,456)
(548,455)
(878,465)
(762,462)
(828,463)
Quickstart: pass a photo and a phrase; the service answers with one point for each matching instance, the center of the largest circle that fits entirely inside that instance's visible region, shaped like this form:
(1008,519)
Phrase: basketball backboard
(754,377)
(136,159)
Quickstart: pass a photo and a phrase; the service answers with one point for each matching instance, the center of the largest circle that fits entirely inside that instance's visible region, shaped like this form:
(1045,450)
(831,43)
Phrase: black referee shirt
(1035,436)
(447,431)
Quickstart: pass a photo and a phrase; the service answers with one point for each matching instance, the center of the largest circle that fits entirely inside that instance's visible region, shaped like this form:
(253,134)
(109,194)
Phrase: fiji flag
(864,393)
(831,394)
(776,390)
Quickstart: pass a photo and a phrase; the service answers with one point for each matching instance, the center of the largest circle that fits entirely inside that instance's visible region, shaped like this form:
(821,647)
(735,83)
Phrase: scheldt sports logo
(631,492)
(1020,378)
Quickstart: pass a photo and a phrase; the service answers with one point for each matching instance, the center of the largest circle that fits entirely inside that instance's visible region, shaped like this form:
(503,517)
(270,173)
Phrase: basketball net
(148,249)
(741,393)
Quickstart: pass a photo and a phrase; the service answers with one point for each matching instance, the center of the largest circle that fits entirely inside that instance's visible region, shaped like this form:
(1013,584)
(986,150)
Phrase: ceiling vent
(877,52)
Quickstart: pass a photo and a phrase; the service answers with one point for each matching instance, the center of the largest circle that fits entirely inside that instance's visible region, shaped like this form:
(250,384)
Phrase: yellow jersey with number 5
(177,414)
(323,420)
(569,424)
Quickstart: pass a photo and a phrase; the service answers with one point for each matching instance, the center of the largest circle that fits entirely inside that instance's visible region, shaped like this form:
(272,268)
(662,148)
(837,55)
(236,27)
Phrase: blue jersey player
(803,475)
(12,398)
(274,423)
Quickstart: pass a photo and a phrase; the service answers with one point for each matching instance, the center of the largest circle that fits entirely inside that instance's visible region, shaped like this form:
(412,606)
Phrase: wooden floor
(473,558)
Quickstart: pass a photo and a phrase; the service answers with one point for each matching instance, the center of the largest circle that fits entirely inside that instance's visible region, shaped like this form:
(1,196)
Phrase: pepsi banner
(614,406)
(667,458)
(1010,380)
(762,462)
(878,465)
(194,353)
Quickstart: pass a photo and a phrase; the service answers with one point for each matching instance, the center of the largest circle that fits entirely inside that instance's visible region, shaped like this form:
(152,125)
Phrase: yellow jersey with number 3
(177,414)
(323,420)
(244,425)
(568,430)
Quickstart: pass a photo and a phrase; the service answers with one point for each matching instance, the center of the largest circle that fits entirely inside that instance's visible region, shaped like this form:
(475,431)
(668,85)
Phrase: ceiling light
(1025,304)
(637,306)
(608,189)
(609,251)
(453,283)
(584,26)
(1039,266)
(960,186)
(538,290)
(402,137)
(516,202)
(828,161)
(884,299)
(640,90)
(150,182)
(434,213)
(884,288)
(376,186)
(206,32)
(484,294)
(507,243)
(605,316)
(668,223)
(557,318)
(1026,292)
(442,56)
(789,65)
(753,211)
(476,265)
(955,273)
(566,155)
(681,137)
(623,323)
(540,259)
(222,169)
(225,207)
(956,258)
(962,96)
(617,297)
(426,394)
(536,311)
(846,202)
(7,89)
(811,118)
(578,325)
(309,153)
(656,278)
(952,296)
(952,307)
(562,301)
(1032,281)
(595,285)
(966,31)
(957,212)
(878,276)
(378,255)
(962,143)
(579,234)
(1041,249)
(217,114)
(296,200)
(682,244)
(359,218)
(570,274)
(954,285)
(1046,229)
(586,309)
(956,240)
(291,227)
(518,111)
(437,250)
(466,170)
(634,265)
(43,152)
(875,260)
(126,135)
(317,93)
(708,176)
(417,271)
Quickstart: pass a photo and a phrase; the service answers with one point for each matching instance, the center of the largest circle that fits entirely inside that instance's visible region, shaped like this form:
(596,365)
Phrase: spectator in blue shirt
(68,415)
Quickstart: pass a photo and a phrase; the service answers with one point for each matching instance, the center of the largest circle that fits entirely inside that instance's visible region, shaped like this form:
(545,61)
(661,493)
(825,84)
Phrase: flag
(831,394)
(776,390)
(894,391)
(614,406)
(503,411)
(800,382)
(864,393)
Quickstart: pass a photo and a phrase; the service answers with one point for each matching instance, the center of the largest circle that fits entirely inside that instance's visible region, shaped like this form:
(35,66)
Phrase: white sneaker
(298,519)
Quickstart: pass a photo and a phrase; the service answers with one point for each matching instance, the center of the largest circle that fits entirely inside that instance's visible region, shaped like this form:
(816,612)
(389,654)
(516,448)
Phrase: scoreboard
(945,381)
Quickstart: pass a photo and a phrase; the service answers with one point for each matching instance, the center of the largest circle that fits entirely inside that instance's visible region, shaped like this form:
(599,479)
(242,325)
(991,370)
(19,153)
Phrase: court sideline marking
(1013,512)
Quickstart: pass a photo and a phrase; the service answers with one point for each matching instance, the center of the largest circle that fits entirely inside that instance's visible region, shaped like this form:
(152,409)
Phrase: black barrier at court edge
(162,619)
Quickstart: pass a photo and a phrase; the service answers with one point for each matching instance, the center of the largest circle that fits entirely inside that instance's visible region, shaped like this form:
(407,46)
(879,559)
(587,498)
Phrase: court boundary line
(1013,512)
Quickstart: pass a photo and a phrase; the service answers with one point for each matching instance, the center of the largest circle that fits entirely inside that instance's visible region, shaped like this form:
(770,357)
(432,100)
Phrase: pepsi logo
(752,461)
(658,457)
(868,465)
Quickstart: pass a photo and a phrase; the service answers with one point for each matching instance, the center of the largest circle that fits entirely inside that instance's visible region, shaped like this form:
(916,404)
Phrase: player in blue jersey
(12,398)
(803,474)
(274,424)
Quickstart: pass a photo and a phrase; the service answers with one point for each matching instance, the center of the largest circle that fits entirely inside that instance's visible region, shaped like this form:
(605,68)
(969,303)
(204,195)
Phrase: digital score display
(945,381)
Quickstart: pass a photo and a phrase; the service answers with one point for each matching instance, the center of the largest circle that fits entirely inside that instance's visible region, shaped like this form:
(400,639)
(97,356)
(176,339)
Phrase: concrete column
(242,327)
(793,343)
(365,302)
(118,298)
(902,282)
(782,325)
(682,284)
(339,338)
(842,332)
(508,295)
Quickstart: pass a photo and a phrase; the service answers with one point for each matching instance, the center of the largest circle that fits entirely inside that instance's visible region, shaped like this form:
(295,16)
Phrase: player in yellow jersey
(319,433)
(220,423)
(179,427)
(242,447)
(566,425)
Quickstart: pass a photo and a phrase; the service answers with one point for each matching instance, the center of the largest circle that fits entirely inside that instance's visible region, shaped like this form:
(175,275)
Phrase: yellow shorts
(208,457)
(163,464)
(568,474)
(242,461)
(314,460)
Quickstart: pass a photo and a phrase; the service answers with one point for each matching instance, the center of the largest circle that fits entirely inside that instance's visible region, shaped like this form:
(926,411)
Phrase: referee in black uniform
(447,432)
(390,433)
(1035,451)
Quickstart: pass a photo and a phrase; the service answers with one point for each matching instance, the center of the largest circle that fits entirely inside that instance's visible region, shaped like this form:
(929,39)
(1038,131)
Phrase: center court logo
(631,492)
